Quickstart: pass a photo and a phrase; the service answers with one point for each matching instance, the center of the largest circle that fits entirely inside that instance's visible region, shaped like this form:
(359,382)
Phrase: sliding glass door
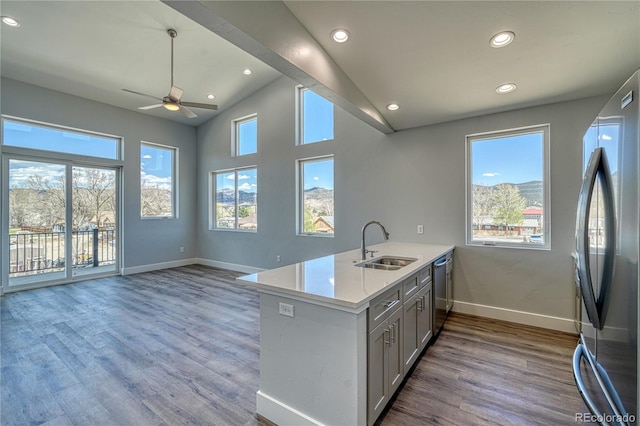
(62,222)
(36,218)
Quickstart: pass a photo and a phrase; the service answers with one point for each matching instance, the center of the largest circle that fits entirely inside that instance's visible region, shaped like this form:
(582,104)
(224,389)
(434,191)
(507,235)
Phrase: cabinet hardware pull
(386,333)
(390,304)
(419,303)
(393,333)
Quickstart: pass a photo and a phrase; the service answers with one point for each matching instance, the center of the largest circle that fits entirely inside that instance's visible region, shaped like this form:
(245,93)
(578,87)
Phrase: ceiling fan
(173,101)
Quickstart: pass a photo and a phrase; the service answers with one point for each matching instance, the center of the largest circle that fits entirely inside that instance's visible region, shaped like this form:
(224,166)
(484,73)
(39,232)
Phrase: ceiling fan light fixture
(502,39)
(171,106)
(340,35)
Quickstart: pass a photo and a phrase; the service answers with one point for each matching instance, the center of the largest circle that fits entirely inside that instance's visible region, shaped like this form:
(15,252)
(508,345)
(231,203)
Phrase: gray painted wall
(149,241)
(408,178)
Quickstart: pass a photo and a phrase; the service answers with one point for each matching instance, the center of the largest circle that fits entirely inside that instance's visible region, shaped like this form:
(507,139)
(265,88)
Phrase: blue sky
(317,119)
(247,180)
(35,137)
(318,174)
(514,159)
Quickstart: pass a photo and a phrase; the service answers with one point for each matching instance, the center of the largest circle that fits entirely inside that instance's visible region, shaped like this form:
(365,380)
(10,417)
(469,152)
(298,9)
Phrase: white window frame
(299,106)
(174,181)
(213,189)
(546,185)
(235,134)
(300,195)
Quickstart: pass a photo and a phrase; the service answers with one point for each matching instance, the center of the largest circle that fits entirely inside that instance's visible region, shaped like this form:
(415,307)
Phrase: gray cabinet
(385,366)
(400,326)
(417,328)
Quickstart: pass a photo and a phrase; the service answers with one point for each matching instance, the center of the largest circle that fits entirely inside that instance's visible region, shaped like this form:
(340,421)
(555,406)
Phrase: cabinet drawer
(410,287)
(425,276)
(449,262)
(382,306)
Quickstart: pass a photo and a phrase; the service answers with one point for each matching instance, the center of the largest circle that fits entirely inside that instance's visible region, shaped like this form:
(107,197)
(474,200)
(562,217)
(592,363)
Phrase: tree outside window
(508,188)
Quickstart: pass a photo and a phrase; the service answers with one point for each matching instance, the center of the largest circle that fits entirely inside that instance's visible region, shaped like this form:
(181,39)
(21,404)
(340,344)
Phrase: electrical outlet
(420,229)
(278,259)
(286,309)
(181,249)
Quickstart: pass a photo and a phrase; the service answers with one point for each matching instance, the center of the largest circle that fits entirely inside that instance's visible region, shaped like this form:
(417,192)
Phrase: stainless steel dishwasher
(440,293)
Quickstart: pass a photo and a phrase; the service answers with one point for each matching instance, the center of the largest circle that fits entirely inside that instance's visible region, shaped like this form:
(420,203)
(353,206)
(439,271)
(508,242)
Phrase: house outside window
(316,196)
(508,188)
(314,117)
(158,181)
(245,135)
(234,199)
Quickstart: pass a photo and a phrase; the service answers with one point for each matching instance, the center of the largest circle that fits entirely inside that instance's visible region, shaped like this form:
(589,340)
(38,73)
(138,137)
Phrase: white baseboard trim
(281,414)
(226,265)
(158,266)
(519,317)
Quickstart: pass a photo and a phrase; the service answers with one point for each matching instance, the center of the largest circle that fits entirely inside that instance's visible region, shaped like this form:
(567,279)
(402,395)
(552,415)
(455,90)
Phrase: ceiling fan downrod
(173,34)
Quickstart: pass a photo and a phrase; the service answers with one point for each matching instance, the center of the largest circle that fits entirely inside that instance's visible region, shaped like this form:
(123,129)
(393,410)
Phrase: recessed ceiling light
(12,22)
(247,72)
(210,96)
(393,107)
(502,39)
(506,88)
(340,35)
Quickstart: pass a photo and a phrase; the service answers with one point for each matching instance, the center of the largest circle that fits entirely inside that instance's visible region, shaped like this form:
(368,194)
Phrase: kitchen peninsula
(320,321)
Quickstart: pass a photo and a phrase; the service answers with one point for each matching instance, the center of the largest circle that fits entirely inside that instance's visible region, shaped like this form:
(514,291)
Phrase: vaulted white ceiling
(431,57)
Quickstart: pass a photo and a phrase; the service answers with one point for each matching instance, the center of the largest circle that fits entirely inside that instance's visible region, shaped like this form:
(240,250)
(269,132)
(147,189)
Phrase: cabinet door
(378,371)
(410,335)
(395,359)
(424,310)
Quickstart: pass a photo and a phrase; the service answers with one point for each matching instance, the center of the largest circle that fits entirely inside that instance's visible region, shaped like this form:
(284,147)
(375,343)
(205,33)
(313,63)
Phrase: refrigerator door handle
(620,414)
(596,306)
(577,376)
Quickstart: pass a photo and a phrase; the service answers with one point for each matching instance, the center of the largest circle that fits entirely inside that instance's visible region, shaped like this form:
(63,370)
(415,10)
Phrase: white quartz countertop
(335,280)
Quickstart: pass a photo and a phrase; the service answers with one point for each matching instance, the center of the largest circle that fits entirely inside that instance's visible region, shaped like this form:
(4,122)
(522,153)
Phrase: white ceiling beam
(270,32)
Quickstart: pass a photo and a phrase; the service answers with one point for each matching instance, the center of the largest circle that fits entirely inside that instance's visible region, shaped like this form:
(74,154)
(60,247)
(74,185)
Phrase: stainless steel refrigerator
(605,362)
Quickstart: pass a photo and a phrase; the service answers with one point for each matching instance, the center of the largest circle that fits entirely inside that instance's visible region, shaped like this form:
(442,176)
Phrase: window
(245,136)
(26,134)
(158,180)
(508,188)
(315,207)
(315,117)
(234,199)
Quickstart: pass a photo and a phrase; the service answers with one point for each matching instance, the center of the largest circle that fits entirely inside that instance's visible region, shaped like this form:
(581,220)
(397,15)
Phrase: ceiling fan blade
(176,93)
(199,105)
(150,106)
(187,112)
(142,94)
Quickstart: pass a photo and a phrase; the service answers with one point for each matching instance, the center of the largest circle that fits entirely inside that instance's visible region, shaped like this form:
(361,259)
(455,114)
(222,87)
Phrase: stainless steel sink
(387,263)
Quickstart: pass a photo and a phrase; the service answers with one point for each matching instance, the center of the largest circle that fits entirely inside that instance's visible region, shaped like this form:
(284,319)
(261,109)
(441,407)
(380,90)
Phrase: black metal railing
(37,252)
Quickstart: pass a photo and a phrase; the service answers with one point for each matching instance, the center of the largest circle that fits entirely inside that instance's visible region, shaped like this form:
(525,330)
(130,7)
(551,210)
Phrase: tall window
(508,188)
(158,193)
(315,207)
(234,199)
(245,135)
(315,117)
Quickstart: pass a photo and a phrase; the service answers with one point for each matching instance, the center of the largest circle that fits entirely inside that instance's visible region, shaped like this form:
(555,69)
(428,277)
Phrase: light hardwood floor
(181,346)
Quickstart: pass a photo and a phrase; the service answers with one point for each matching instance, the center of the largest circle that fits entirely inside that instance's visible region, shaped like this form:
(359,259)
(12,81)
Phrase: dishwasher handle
(441,262)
